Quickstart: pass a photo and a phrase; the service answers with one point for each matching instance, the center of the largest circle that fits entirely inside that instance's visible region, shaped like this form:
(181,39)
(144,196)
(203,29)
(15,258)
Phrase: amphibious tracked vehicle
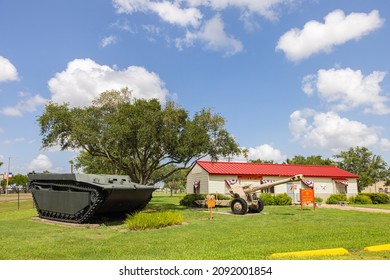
(76,198)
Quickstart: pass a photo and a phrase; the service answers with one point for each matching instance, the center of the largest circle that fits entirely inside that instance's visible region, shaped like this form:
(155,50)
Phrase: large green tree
(369,167)
(175,182)
(136,137)
(310,160)
(20,180)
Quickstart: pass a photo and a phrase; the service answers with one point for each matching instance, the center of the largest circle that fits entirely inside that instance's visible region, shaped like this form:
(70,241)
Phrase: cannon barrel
(255,188)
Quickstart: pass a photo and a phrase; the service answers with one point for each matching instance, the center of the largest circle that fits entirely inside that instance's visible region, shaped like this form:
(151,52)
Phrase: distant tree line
(359,160)
(19,180)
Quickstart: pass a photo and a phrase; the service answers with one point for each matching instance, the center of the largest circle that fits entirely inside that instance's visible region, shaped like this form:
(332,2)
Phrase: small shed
(209,177)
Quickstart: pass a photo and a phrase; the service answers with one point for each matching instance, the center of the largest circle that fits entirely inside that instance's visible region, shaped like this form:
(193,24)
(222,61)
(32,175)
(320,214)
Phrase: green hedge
(378,198)
(268,198)
(278,199)
(189,199)
(361,199)
(370,198)
(283,199)
(335,198)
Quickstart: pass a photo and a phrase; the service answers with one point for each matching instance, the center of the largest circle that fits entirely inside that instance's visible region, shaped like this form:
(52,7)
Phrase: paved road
(377,210)
(13,197)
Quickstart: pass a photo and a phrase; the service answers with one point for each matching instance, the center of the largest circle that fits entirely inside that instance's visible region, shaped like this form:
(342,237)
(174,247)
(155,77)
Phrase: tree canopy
(310,160)
(135,137)
(369,167)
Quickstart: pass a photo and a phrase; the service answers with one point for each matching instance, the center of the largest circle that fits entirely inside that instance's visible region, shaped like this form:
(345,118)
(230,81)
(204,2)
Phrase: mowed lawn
(248,237)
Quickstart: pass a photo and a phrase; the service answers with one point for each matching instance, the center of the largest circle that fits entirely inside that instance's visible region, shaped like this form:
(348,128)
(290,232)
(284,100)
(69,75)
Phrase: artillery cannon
(245,198)
(75,198)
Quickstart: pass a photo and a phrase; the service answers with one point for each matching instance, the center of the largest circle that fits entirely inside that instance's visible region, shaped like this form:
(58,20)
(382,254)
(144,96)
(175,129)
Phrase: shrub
(220,196)
(268,198)
(283,199)
(189,199)
(378,198)
(143,220)
(362,199)
(318,199)
(335,198)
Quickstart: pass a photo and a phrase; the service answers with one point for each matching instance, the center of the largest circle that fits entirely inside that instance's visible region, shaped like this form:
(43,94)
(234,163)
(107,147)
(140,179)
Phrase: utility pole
(6,185)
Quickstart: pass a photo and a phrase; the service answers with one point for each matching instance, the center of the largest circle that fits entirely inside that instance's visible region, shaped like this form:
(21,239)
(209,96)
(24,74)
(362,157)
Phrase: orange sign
(211,203)
(307,196)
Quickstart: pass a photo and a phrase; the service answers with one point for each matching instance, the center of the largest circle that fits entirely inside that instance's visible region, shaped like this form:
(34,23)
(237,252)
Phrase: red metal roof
(265,169)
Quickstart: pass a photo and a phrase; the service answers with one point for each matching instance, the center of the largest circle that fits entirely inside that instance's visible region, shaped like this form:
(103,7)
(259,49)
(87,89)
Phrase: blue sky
(291,77)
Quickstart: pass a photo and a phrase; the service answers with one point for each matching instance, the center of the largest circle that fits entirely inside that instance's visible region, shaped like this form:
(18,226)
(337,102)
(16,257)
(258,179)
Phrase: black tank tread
(80,217)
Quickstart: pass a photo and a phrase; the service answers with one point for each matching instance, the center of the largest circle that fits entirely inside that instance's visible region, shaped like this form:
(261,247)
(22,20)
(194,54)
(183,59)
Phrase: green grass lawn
(251,237)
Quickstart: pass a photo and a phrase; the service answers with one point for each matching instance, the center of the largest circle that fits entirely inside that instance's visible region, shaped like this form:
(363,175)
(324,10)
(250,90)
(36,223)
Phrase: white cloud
(124,25)
(267,9)
(13,141)
(40,163)
(385,144)
(109,40)
(214,36)
(170,12)
(308,84)
(188,15)
(83,80)
(329,131)
(346,89)
(8,71)
(266,152)
(318,37)
(263,152)
(26,104)
(11,111)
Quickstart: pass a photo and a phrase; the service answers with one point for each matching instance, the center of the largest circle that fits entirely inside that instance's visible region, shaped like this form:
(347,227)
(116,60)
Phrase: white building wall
(323,187)
(352,189)
(198,173)
(217,184)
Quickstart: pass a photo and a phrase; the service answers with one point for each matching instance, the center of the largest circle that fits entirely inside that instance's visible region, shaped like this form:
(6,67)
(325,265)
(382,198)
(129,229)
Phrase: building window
(196,186)
(268,190)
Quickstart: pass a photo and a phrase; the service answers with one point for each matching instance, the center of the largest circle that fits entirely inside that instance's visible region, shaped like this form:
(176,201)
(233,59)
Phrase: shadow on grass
(109,220)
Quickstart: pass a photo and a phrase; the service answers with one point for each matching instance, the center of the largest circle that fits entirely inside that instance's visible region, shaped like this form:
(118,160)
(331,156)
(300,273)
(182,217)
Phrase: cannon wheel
(239,206)
(259,208)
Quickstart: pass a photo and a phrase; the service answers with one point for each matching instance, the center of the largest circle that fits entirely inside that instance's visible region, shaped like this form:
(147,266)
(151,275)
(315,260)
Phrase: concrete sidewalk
(352,208)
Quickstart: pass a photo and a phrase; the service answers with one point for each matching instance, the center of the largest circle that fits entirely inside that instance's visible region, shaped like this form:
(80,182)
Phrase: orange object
(307,196)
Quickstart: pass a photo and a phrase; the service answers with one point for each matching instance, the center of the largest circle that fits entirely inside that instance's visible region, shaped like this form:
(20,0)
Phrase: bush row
(367,198)
(284,199)
(278,199)
(189,199)
(268,199)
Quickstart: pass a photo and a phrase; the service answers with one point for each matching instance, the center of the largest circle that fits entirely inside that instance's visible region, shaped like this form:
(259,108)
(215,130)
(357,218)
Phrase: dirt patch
(37,219)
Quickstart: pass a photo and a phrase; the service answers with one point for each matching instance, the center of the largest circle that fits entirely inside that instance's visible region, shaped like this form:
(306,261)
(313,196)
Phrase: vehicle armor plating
(76,198)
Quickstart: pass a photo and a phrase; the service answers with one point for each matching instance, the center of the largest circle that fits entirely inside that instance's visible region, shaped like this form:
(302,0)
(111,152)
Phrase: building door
(293,192)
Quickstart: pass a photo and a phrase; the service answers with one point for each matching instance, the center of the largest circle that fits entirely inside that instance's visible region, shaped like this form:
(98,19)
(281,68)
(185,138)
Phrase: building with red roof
(209,177)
